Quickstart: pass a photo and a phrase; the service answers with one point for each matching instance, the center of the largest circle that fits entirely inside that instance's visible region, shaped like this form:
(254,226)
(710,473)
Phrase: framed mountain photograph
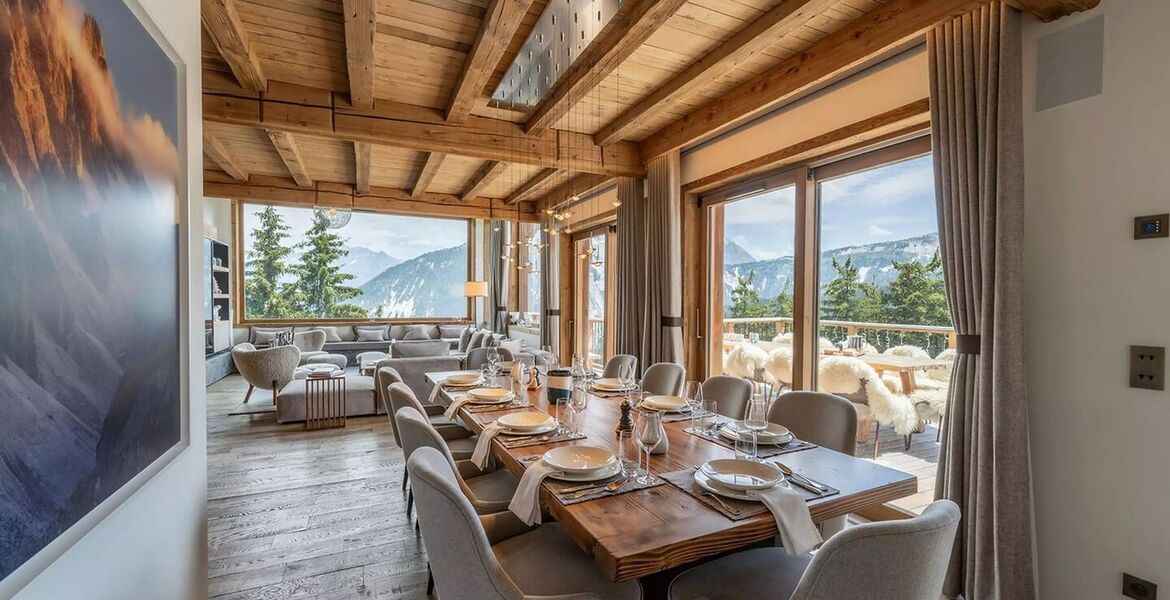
(90,358)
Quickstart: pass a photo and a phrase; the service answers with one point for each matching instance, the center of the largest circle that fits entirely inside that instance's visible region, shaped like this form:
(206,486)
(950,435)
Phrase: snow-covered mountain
(428,285)
(875,264)
(734,254)
(366,263)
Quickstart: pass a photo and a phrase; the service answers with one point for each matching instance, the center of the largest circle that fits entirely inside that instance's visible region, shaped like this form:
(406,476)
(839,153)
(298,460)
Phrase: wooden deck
(321,514)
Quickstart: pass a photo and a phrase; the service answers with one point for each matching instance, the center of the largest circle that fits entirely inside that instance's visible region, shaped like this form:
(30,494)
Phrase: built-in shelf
(217,306)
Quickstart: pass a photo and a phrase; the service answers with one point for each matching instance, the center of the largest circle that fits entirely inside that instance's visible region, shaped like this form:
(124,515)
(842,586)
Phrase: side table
(325,401)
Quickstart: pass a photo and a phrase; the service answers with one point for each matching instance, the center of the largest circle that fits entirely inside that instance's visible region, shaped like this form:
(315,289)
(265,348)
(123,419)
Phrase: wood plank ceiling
(389,98)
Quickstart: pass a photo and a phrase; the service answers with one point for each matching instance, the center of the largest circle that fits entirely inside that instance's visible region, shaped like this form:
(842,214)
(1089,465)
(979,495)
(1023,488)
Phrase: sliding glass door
(594,302)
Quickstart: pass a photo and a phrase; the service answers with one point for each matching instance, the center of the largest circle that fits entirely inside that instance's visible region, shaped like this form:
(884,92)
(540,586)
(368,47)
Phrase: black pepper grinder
(626,421)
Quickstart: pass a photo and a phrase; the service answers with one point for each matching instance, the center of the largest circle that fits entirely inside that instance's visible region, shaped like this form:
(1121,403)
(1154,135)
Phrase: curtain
(976,105)
(550,267)
(630,264)
(498,269)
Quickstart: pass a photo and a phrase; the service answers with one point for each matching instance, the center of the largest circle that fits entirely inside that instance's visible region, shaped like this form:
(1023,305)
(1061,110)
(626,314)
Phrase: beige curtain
(630,264)
(976,105)
(499,239)
(550,266)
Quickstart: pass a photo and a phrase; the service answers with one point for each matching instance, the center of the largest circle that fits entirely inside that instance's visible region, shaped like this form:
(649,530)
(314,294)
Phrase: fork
(612,486)
(801,480)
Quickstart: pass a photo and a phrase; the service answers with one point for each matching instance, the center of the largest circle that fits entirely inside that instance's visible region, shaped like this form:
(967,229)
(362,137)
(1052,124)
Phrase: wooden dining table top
(647,531)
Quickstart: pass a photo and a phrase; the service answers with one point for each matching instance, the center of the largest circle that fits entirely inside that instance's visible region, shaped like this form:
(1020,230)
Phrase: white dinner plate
(579,459)
(672,404)
(490,396)
(704,481)
(525,421)
(611,385)
(550,426)
(742,475)
(463,379)
(598,475)
(774,435)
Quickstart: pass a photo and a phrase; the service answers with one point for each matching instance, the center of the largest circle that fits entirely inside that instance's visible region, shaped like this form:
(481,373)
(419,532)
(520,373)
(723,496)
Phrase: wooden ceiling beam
(287,148)
(1051,10)
(883,30)
(525,191)
(426,174)
(222,21)
(218,153)
(484,178)
(280,190)
(585,184)
(314,112)
(362,166)
(773,25)
(361,21)
(500,23)
(634,23)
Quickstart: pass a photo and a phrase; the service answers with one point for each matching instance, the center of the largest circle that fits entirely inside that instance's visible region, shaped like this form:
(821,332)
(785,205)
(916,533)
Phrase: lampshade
(475,289)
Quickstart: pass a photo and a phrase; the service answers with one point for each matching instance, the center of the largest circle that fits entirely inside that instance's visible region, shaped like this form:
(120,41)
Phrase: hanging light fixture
(335,218)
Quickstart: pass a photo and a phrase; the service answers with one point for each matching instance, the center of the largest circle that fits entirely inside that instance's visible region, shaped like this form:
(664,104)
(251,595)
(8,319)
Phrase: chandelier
(335,218)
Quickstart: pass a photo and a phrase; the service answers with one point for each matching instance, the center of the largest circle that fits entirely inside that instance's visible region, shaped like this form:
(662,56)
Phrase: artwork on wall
(90,391)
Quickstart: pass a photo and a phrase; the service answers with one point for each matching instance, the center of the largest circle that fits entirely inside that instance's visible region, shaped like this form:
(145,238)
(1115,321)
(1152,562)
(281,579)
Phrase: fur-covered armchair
(778,366)
(858,382)
(311,344)
(268,368)
(744,360)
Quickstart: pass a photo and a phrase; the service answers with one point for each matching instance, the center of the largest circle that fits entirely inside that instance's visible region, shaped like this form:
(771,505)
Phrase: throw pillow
(256,331)
(512,346)
(370,334)
(450,332)
(261,338)
(476,341)
(465,338)
(330,334)
(397,332)
(418,332)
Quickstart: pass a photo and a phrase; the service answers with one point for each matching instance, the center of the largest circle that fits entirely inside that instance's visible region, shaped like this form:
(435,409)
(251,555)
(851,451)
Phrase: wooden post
(779,327)
(952,340)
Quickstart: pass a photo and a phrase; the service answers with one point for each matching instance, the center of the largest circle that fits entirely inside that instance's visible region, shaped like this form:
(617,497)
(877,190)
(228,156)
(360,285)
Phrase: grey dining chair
(613,366)
(906,560)
(823,419)
(496,557)
(478,357)
(487,491)
(664,379)
(731,394)
(459,439)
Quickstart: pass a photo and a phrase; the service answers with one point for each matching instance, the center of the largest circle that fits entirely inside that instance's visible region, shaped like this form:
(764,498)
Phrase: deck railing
(932,338)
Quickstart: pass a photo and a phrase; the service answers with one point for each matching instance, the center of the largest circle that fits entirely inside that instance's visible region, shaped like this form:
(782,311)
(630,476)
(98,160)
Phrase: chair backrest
(458,550)
(615,364)
(732,394)
(383,377)
(266,368)
(904,559)
(823,419)
(419,348)
(309,341)
(417,432)
(477,358)
(664,379)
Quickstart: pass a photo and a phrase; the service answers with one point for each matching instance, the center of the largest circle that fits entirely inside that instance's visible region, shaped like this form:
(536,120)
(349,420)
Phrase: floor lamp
(475,289)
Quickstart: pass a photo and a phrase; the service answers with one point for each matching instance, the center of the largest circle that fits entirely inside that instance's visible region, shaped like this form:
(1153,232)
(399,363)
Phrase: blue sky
(401,237)
(890,203)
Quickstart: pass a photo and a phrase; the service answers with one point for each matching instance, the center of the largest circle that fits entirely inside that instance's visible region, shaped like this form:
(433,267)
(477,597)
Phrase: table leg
(908,383)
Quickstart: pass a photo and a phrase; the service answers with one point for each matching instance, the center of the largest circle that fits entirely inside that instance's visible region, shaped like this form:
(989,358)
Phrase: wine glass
(548,358)
(649,436)
(694,397)
(756,421)
(578,402)
(493,359)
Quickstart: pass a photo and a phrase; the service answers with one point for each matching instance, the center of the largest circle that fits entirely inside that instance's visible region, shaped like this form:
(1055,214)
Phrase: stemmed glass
(548,358)
(578,401)
(493,359)
(694,397)
(756,421)
(649,432)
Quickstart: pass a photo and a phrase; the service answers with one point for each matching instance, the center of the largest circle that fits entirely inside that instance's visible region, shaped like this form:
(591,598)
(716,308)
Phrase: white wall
(217,219)
(1100,457)
(154,544)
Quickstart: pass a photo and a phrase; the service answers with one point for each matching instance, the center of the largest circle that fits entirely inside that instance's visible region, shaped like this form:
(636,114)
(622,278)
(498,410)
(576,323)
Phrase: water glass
(756,421)
(694,398)
(548,358)
(628,454)
(711,414)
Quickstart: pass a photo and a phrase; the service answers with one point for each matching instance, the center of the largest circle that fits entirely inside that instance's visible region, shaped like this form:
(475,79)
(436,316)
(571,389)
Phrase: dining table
(648,531)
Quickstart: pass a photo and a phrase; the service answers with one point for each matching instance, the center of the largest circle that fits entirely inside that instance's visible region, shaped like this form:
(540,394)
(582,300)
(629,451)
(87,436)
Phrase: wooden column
(568,276)
(804,324)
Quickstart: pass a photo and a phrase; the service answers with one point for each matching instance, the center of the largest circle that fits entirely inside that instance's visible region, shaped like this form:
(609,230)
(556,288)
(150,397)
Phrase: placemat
(486,408)
(521,441)
(765,451)
(685,416)
(736,510)
(630,485)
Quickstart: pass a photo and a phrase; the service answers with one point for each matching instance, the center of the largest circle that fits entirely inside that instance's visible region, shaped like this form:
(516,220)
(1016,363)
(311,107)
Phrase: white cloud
(878,231)
(887,186)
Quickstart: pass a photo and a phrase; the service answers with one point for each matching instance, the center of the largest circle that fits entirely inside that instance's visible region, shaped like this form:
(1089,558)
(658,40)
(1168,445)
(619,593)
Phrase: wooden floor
(298,514)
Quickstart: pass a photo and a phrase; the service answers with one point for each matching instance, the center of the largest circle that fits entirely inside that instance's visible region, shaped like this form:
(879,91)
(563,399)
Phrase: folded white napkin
(525,502)
(457,402)
(797,531)
(434,393)
(483,448)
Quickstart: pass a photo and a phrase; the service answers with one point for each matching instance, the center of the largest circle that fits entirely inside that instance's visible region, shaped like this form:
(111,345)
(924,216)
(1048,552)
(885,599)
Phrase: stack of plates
(734,477)
(774,435)
(611,384)
(489,396)
(582,463)
(462,380)
(529,422)
(671,404)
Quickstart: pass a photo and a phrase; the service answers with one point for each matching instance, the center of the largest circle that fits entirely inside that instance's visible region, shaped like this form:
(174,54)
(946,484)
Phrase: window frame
(240,319)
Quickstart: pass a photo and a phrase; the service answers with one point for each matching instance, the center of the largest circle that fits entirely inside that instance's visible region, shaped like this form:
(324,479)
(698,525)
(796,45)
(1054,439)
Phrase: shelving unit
(217,299)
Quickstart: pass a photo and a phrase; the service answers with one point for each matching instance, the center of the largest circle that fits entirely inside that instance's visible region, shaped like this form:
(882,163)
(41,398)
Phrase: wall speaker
(1070,64)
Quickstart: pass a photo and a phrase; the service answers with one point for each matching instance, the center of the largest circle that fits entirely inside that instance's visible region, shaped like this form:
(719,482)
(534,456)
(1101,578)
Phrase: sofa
(351,340)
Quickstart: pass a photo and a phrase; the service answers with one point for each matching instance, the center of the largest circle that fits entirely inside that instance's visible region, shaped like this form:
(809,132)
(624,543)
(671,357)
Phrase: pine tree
(745,300)
(320,288)
(917,296)
(264,295)
(847,298)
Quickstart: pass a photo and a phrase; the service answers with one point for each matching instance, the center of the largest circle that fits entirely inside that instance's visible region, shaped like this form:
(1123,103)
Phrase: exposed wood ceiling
(389,98)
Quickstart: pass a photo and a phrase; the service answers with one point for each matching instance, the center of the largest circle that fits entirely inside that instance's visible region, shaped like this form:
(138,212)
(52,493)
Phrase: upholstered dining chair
(478,357)
(823,419)
(487,491)
(496,557)
(311,344)
(664,379)
(615,364)
(266,368)
(731,394)
(460,440)
(904,559)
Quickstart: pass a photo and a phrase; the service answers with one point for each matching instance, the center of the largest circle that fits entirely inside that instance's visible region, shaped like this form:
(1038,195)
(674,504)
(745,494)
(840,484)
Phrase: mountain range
(875,264)
(427,285)
(366,263)
(734,254)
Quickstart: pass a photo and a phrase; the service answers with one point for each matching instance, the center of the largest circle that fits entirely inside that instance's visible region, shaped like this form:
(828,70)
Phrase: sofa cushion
(359,398)
(266,335)
(419,332)
(397,332)
(381,346)
(465,338)
(451,332)
(417,348)
(369,335)
(476,340)
(512,346)
(414,371)
(331,334)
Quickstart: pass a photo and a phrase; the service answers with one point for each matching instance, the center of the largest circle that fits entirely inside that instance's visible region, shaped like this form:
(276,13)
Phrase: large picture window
(304,263)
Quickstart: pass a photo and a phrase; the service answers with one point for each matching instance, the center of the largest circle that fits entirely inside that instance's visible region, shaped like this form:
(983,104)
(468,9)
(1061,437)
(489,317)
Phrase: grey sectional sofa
(349,341)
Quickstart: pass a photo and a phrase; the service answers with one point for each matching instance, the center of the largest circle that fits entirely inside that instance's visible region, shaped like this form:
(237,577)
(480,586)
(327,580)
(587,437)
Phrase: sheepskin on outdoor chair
(779,366)
(858,382)
(744,360)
